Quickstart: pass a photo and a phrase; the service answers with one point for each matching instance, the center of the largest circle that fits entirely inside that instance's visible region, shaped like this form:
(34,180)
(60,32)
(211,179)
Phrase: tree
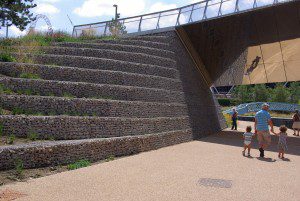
(280,94)
(16,12)
(295,92)
(243,94)
(260,93)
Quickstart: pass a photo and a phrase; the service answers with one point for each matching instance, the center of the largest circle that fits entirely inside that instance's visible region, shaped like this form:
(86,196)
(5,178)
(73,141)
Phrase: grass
(79,164)
(110,158)
(32,136)
(46,40)
(11,139)
(1,130)
(19,168)
(68,95)
(29,76)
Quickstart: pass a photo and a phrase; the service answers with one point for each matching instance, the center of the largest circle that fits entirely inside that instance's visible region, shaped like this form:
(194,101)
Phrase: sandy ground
(175,173)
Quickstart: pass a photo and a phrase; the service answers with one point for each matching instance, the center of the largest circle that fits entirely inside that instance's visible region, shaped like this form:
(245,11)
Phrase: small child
(282,145)
(247,136)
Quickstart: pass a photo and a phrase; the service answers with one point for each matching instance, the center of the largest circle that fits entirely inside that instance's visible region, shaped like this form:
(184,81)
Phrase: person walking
(296,122)
(262,123)
(234,117)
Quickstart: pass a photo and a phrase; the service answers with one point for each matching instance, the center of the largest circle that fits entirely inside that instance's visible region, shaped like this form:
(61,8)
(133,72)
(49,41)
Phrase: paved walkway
(175,173)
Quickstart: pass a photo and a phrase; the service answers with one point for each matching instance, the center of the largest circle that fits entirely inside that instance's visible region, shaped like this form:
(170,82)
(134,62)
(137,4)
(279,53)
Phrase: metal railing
(196,12)
(256,106)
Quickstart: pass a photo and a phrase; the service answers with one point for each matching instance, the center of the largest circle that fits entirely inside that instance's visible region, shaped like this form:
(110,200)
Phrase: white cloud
(49,1)
(97,8)
(159,6)
(14,31)
(45,8)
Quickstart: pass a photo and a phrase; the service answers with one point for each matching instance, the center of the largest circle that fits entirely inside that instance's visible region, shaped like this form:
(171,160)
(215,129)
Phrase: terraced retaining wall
(92,76)
(85,90)
(65,152)
(96,107)
(68,128)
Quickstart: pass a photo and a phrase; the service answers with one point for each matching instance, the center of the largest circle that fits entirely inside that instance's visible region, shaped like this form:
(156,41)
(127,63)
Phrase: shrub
(79,164)
(228,120)
(224,102)
(6,57)
(19,167)
(33,136)
(11,139)
(29,76)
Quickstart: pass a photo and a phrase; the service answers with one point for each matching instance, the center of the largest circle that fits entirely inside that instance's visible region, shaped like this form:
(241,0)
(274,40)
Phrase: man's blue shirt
(262,117)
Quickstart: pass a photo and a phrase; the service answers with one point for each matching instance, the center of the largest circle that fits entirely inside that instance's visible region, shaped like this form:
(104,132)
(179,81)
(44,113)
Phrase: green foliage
(280,94)
(5,90)
(110,158)
(29,76)
(260,93)
(79,164)
(7,57)
(19,167)
(10,139)
(116,28)
(16,12)
(295,92)
(228,120)
(33,136)
(17,111)
(1,130)
(243,94)
(224,102)
(68,95)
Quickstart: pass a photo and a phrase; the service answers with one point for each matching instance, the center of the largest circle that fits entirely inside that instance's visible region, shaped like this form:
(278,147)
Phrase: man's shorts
(263,137)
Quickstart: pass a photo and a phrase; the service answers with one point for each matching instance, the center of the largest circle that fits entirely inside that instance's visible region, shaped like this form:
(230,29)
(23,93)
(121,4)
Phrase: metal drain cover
(217,183)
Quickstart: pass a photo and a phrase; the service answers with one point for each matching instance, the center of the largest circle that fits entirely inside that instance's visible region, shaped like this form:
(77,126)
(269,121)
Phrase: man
(262,122)
(234,119)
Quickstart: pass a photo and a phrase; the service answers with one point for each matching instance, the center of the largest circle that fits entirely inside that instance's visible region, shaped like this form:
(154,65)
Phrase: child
(282,146)
(247,136)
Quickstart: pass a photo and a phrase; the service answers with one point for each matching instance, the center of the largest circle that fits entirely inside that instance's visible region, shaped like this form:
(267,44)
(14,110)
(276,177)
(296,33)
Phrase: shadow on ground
(234,138)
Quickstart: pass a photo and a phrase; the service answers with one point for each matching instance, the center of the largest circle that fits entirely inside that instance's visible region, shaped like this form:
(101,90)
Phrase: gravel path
(210,169)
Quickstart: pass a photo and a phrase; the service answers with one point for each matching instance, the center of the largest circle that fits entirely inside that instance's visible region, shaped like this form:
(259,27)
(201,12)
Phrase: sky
(89,11)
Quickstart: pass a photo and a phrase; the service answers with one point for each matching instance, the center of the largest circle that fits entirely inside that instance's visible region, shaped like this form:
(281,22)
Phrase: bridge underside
(260,46)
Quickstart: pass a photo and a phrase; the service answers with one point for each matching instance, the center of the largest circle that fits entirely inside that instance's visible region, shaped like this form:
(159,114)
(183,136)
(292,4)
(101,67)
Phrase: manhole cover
(217,183)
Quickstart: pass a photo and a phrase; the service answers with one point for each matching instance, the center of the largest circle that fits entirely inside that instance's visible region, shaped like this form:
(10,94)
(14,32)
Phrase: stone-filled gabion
(91,90)
(91,75)
(118,47)
(91,107)
(35,155)
(167,103)
(68,128)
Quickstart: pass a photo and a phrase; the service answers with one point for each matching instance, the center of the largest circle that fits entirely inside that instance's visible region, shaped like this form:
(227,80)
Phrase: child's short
(282,146)
(247,143)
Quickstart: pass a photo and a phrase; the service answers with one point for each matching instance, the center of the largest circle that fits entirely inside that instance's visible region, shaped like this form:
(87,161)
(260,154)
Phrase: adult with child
(262,123)
(296,122)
